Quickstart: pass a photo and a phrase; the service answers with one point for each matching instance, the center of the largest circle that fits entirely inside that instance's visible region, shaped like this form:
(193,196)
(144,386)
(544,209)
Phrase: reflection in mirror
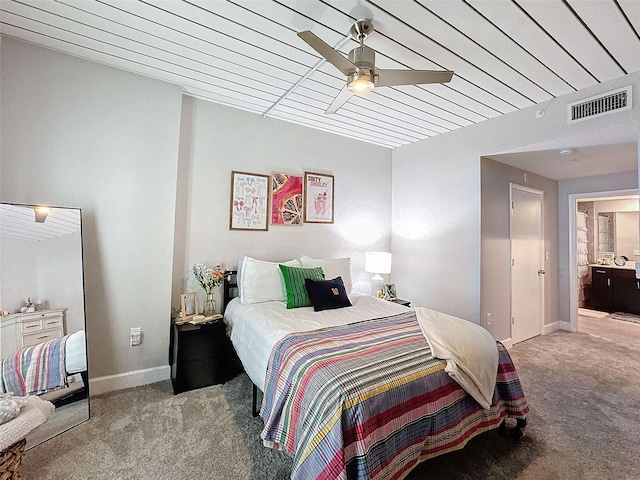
(618,234)
(605,238)
(43,312)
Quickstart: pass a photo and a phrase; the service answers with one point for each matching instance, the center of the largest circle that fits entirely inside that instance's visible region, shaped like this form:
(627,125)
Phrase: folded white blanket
(470,351)
(34,413)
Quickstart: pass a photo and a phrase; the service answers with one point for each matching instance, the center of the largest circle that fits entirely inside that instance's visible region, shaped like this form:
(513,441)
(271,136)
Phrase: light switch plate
(135,336)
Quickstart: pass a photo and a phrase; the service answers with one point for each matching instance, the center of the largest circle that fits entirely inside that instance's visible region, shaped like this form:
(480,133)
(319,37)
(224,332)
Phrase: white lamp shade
(377,262)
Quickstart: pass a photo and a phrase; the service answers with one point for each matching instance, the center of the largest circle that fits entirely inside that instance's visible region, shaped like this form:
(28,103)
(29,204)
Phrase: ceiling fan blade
(330,55)
(390,78)
(343,96)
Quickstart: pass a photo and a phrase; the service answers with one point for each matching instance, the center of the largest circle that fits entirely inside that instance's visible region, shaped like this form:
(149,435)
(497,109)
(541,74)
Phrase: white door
(527,263)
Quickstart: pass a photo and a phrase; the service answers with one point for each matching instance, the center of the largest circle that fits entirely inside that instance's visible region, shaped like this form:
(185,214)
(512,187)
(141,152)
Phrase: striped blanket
(368,400)
(36,369)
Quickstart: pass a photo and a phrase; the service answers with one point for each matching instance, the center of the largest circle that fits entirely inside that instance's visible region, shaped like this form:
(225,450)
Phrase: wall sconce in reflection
(41,213)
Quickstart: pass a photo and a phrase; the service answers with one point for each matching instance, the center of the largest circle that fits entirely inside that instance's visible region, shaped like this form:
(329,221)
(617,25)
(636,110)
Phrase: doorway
(581,262)
(527,262)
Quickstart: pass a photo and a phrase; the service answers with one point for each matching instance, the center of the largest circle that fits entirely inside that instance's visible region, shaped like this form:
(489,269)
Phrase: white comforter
(470,351)
(76,353)
(256,328)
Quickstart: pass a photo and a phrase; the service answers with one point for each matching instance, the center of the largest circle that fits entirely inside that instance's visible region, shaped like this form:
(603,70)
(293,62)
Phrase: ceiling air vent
(603,104)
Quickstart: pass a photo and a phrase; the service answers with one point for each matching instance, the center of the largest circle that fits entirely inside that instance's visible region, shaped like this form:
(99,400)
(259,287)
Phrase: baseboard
(552,327)
(135,378)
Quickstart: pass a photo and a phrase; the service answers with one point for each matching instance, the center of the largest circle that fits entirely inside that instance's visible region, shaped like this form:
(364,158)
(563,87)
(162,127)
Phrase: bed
(355,392)
(44,367)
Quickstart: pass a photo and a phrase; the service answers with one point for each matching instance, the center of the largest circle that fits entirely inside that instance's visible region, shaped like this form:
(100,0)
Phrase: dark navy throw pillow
(327,294)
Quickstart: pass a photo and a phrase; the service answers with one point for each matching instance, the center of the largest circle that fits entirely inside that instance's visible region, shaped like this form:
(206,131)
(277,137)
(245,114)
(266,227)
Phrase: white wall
(77,133)
(436,194)
(19,272)
(621,205)
(627,234)
(60,277)
(216,140)
(496,244)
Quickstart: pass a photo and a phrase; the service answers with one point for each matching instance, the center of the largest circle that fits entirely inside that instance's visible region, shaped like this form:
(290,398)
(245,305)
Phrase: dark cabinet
(626,291)
(201,355)
(601,292)
(615,290)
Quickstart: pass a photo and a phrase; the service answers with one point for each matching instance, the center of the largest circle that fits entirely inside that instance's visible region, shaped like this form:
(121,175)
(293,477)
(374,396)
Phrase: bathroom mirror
(618,233)
(43,312)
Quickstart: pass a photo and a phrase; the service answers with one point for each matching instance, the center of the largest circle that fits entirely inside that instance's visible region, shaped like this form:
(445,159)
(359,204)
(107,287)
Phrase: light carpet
(583,391)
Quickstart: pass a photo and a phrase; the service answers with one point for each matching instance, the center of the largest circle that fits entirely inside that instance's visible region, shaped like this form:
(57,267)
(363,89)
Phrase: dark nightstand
(406,303)
(201,355)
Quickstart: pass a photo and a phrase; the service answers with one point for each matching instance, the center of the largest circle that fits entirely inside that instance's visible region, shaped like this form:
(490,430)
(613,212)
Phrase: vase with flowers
(208,278)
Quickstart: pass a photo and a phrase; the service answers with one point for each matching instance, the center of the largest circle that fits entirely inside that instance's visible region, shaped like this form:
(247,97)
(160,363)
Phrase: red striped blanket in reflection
(36,369)
(368,400)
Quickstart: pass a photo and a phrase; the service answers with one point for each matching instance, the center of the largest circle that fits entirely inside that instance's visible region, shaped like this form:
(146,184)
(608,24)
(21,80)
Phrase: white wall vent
(603,104)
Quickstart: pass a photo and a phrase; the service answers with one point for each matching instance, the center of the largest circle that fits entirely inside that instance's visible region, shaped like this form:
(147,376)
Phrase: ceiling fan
(360,68)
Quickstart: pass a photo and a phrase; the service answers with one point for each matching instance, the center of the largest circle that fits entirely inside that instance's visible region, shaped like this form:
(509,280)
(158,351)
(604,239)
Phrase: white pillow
(332,268)
(262,281)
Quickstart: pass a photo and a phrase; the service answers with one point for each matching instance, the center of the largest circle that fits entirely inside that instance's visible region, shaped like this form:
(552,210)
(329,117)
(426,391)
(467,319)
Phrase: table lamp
(380,264)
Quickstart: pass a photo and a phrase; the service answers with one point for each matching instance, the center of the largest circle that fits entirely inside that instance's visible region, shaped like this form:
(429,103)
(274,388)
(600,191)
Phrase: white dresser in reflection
(26,329)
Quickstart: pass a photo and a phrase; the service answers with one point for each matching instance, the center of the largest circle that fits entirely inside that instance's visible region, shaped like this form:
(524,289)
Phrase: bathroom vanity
(615,288)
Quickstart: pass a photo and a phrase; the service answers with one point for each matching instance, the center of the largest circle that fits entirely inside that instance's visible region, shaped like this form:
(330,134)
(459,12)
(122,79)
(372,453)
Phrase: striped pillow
(297,295)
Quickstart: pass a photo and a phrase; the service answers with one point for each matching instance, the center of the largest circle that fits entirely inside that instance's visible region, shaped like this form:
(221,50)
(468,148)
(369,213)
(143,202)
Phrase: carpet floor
(583,392)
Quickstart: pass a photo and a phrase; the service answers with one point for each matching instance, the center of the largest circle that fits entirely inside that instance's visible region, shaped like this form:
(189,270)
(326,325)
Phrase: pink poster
(286,199)
(318,188)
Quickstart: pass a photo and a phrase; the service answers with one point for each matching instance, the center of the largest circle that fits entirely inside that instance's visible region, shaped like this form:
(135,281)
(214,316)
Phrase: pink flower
(208,278)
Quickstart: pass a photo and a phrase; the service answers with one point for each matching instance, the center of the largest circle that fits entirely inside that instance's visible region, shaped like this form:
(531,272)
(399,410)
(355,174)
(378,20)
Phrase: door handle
(541,272)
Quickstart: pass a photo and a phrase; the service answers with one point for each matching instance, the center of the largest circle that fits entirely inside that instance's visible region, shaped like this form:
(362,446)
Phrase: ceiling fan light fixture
(360,66)
(360,83)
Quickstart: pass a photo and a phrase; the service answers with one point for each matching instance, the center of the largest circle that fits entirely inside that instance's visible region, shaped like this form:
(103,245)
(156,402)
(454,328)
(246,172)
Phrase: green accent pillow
(297,295)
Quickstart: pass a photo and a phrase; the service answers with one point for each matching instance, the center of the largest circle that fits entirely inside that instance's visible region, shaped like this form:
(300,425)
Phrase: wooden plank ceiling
(19,221)
(506,55)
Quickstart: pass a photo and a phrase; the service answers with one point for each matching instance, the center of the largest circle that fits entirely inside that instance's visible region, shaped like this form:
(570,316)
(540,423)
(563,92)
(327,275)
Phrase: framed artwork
(318,197)
(286,199)
(389,291)
(249,201)
(188,306)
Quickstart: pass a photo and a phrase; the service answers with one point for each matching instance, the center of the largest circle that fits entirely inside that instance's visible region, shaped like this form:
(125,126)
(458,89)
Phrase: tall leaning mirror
(42,300)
